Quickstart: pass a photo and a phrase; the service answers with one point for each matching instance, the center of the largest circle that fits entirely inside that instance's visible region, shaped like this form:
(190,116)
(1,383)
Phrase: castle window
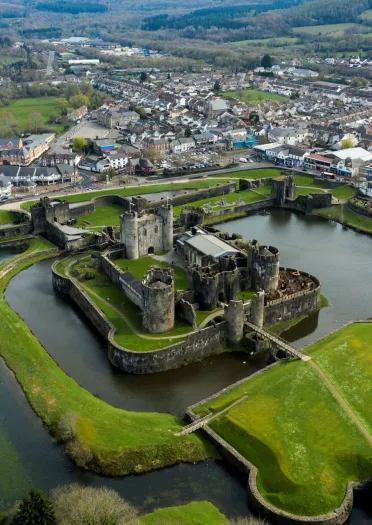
(156,229)
(145,232)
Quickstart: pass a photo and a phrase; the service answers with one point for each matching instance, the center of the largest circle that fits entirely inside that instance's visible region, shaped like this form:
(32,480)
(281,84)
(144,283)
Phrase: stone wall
(60,283)
(85,209)
(301,303)
(192,196)
(19,243)
(247,184)
(186,312)
(15,230)
(359,209)
(117,276)
(312,201)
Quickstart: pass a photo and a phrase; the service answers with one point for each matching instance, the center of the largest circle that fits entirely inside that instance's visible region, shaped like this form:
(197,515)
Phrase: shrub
(249,520)
(66,428)
(78,505)
(35,508)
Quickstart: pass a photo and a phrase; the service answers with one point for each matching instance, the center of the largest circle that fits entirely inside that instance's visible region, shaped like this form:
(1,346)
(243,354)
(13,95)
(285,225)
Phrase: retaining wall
(358,209)
(15,230)
(18,243)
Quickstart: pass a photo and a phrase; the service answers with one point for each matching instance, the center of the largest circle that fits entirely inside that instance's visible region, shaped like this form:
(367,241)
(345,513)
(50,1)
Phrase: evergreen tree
(266,61)
(143,77)
(188,131)
(35,509)
(217,86)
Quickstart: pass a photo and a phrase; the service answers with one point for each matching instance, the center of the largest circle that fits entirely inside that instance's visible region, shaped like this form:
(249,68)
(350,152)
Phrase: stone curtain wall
(312,201)
(117,276)
(246,184)
(359,209)
(196,346)
(85,209)
(186,311)
(192,196)
(14,230)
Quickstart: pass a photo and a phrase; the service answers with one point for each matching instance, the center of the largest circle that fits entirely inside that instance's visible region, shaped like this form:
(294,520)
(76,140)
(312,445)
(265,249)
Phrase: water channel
(339,258)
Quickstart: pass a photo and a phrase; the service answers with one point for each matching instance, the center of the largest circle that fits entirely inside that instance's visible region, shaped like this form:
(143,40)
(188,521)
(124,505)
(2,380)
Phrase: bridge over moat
(278,341)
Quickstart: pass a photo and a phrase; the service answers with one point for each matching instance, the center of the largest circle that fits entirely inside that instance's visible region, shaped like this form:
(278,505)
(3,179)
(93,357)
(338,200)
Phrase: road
(50,66)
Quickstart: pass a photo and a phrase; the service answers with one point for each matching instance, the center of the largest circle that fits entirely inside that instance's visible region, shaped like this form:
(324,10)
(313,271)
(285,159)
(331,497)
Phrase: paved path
(210,317)
(341,400)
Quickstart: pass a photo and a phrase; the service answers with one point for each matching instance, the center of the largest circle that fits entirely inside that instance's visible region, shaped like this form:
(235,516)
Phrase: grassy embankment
(106,439)
(23,107)
(195,513)
(6,217)
(304,443)
(346,216)
(254,96)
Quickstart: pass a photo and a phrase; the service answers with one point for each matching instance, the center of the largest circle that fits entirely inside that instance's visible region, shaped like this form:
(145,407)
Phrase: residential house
(57,155)
(205,138)
(139,166)
(290,136)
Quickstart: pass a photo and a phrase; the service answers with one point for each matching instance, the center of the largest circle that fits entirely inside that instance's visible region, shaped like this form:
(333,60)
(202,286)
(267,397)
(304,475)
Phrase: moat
(336,256)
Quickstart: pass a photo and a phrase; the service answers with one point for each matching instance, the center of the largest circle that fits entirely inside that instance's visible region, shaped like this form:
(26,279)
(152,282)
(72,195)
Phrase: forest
(73,8)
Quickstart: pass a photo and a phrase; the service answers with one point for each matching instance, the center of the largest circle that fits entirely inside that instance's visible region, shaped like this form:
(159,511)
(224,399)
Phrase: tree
(62,105)
(169,76)
(188,131)
(79,143)
(217,86)
(347,143)
(266,61)
(359,82)
(250,520)
(152,155)
(106,174)
(8,125)
(35,121)
(79,505)
(34,509)
(254,117)
(79,100)
(143,77)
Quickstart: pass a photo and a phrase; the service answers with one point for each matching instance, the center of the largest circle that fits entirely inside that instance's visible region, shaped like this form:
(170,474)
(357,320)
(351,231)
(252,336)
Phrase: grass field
(102,216)
(346,357)
(196,513)
(140,266)
(330,29)
(291,427)
(366,15)
(5,59)
(345,216)
(6,217)
(248,196)
(254,96)
(279,41)
(260,173)
(108,440)
(22,108)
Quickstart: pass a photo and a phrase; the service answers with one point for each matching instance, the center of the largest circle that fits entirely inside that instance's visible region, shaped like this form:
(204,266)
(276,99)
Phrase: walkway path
(341,400)
(210,318)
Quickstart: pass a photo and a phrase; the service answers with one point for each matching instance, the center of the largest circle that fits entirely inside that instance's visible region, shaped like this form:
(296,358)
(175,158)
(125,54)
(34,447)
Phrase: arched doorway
(151,250)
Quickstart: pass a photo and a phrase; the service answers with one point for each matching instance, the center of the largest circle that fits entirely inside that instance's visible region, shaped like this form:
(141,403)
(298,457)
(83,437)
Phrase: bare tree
(249,520)
(35,121)
(78,505)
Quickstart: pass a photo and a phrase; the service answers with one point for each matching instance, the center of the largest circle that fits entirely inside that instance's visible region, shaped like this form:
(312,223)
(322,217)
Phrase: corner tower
(166,213)
(158,300)
(129,234)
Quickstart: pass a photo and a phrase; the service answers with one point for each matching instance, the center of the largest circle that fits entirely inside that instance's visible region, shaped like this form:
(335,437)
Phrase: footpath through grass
(108,440)
(195,513)
(304,444)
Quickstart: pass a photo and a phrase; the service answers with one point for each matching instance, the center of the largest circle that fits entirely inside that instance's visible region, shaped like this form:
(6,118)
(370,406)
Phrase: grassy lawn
(201,315)
(108,440)
(6,217)
(102,216)
(304,445)
(5,59)
(140,266)
(125,335)
(195,513)
(245,295)
(279,41)
(260,173)
(254,96)
(248,196)
(22,108)
(350,217)
(366,15)
(331,29)
(346,357)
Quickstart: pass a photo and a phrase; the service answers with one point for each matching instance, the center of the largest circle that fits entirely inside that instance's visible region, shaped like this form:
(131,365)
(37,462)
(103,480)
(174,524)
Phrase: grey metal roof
(210,245)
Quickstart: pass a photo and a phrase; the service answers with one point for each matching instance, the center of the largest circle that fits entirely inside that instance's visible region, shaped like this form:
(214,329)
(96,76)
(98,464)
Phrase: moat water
(339,258)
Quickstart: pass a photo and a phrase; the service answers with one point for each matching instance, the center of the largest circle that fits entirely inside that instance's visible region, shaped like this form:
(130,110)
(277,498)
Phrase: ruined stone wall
(186,312)
(312,201)
(19,243)
(117,276)
(85,209)
(14,230)
(192,196)
(358,209)
(247,184)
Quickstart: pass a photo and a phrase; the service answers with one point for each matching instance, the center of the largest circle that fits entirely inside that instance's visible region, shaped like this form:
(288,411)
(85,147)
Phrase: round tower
(257,308)
(265,268)
(158,300)
(166,213)
(129,234)
(234,316)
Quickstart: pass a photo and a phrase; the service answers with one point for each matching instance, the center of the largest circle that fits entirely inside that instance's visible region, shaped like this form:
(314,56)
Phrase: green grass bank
(195,513)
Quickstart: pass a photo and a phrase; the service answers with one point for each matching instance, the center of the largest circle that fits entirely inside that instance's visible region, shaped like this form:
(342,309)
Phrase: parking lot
(202,158)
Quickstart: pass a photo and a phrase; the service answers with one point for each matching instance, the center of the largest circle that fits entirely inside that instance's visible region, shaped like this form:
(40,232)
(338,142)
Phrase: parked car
(242,159)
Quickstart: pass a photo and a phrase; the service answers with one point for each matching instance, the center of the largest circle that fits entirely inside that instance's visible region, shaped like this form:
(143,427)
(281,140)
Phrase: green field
(254,96)
(279,41)
(330,29)
(22,108)
(139,267)
(102,216)
(248,196)
(260,173)
(5,59)
(6,217)
(345,216)
(297,432)
(366,15)
(108,440)
(196,513)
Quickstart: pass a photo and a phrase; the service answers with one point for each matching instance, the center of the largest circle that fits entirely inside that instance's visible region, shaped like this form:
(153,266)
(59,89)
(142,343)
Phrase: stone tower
(158,300)
(129,233)
(166,213)
(257,308)
(263,262)
(234,316)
